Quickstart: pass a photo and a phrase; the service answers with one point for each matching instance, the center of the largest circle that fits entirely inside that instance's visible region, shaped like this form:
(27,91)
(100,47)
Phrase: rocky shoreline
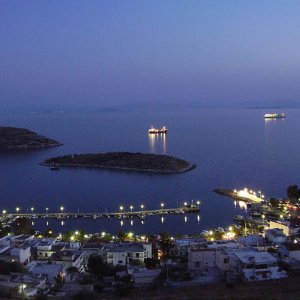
(123,161)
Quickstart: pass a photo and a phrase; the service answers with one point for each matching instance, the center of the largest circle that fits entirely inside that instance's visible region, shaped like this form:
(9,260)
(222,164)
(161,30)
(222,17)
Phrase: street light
(121,208)
(32,209)
(162,205)
(61,209)
(4,211)
(198,203)
(185,203)
(17,209)
(47,209)
(131,208)
(142,206)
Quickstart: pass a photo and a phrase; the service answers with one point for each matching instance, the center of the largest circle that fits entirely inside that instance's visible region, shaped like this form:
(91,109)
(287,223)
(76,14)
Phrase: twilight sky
(109,52)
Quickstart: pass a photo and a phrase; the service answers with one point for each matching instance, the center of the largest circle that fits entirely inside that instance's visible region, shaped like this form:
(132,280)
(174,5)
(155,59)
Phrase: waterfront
(232,149)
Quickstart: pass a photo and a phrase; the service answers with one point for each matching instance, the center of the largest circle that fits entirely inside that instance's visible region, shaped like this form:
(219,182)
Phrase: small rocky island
(12,138)
(123,161)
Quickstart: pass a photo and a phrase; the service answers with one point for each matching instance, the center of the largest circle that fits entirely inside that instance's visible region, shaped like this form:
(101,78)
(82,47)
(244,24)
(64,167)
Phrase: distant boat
(275,116)
(153,130)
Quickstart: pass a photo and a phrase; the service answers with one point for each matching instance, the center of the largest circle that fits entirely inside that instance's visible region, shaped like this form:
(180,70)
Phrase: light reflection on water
(242,205)
(157,143)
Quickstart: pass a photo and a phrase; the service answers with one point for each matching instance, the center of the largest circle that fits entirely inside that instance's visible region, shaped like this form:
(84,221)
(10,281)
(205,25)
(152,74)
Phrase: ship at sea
(153,130)
(275,116)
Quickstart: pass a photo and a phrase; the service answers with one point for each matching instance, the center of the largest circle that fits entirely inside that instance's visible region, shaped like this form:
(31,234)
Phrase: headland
(12,138)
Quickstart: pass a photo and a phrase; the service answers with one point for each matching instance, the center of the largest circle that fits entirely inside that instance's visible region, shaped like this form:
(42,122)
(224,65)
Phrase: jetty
(96,215)
(244,195)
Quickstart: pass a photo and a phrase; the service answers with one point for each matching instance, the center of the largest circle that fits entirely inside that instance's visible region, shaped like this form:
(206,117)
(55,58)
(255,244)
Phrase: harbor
(121,214)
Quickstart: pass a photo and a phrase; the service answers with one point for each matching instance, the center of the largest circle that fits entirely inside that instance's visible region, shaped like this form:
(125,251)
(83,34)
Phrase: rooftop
(252,255)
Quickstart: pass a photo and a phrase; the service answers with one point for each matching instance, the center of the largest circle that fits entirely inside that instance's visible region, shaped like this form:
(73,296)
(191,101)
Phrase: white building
(44,249)
(125,253)
(21,254)
(254,265)
(49,270)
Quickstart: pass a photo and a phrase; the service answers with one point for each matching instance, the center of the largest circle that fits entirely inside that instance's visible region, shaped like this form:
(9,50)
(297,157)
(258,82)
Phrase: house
(24,284)
(202,259)
(122,254)
(44,249)
(144,276)
(252,265)
(275,236)
(182,246)
(291,250)
(49,270)
(283,225)
(17,253)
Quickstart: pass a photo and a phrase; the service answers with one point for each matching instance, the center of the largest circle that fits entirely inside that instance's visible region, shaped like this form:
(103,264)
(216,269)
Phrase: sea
(232,148)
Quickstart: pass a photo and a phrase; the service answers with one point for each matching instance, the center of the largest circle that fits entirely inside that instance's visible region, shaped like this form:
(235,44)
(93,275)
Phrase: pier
(96,215)
(244,195)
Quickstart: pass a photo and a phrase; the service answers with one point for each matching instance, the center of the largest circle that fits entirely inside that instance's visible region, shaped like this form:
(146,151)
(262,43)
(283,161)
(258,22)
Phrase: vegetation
(14,267)
(20,138)
(166,243)
(274,203)
(293,193)
(99,268)
(123,161)
(4,230)
(22,226)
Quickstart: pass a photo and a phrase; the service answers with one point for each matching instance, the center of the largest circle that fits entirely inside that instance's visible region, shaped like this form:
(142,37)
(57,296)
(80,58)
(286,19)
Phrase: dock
(141,214)
(244,195)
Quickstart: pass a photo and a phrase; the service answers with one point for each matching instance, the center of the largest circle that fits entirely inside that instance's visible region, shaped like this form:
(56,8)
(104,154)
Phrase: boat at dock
(153,130)
(275,116)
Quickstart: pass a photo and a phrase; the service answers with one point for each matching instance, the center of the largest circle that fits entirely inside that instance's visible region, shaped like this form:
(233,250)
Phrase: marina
(121,214)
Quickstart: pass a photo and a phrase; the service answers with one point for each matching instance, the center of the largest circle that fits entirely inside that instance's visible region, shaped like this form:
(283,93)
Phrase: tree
(121,236)
(22,226)
(293,193)
(4,231)
(165,243)
(274,203)
(6,268)
(72,271)
(49,233)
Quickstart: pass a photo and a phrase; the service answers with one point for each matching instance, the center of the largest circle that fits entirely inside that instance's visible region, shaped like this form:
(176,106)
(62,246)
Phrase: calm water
(232,149)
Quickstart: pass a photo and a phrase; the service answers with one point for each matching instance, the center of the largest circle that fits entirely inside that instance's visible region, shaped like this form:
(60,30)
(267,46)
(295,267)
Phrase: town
(265,245)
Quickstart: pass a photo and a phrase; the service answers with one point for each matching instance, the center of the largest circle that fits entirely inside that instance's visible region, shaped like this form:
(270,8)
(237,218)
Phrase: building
(283,225)
(49,270)
(44,249)
(202,259)
(122,254)
(182,246)
(275,236)
(251,265)
(290,250)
